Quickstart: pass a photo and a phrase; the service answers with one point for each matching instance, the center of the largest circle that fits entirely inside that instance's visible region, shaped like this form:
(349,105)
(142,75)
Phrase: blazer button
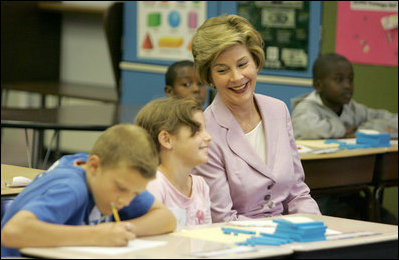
(267,197)
(270,204)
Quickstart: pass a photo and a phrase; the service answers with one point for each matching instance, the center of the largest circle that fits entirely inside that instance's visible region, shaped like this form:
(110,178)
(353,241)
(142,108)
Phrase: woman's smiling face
(234,74)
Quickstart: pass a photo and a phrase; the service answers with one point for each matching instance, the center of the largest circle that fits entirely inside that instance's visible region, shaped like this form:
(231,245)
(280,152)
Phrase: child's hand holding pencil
(116,233)
(113,234)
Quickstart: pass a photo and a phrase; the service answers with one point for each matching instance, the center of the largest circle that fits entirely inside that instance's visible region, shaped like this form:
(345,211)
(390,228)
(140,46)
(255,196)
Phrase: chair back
(113,28)
(5,204)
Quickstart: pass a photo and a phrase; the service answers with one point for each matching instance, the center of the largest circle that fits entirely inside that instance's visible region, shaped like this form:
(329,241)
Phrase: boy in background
(62,206)
(177,128)
(329,111)
(182,81)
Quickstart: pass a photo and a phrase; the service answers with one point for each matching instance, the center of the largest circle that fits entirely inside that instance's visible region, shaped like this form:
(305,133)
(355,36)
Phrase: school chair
(30,60)
(113,29)
(5,204)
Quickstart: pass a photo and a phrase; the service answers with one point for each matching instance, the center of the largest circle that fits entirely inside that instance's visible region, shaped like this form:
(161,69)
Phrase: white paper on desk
(133,245)
(303,149)
(19,181)
(308,149)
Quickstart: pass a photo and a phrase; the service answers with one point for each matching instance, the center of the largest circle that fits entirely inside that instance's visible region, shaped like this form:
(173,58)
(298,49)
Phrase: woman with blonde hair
(253,168)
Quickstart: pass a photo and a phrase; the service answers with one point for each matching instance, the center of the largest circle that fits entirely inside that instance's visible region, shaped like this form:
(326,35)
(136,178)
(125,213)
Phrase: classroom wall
(375,86)
(84,58)
(141,82)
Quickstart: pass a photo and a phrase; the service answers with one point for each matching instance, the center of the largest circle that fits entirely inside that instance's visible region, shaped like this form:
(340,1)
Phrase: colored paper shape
(154,19)
(170,42)
(190,45)
(174,19)
(192,20)
(147,44)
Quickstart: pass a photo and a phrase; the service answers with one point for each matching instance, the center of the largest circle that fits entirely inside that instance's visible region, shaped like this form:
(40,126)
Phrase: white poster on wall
(165,28)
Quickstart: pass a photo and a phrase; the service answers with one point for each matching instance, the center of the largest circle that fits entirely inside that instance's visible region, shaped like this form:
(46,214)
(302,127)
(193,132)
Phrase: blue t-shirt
(61,196)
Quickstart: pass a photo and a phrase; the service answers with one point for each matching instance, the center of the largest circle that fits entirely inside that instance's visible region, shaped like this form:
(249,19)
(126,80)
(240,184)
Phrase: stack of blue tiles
(286,232)
(300,232)
(266,239)
(373,140)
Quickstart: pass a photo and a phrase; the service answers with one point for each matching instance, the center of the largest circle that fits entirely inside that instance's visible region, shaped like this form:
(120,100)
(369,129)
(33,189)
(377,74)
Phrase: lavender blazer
(241,185)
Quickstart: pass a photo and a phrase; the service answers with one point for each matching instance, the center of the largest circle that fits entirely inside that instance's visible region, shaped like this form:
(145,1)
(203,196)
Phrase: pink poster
(367,32)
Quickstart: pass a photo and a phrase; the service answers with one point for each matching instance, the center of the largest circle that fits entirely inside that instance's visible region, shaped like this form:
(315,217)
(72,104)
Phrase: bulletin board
(136,26)
(284,26)
(167,27)
(367,32)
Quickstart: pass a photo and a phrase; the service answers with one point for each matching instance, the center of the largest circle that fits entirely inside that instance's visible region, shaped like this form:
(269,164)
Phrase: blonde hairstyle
(219,33)
(168,114)
(130,144)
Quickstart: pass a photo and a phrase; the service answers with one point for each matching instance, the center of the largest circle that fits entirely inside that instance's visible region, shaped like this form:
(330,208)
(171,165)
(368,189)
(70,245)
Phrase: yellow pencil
(115,212)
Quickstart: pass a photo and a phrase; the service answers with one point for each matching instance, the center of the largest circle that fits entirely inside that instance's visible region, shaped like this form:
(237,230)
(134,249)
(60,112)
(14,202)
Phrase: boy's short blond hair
(168,114)
(219,33)
(130,144)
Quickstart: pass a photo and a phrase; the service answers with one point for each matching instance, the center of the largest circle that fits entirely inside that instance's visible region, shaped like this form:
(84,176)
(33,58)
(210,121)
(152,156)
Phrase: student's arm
(25,230)
(158,220)
(377,119)
(312,121)
(350,131)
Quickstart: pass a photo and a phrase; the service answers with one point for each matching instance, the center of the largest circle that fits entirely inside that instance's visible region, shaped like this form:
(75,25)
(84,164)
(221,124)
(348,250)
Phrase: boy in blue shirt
(66,205)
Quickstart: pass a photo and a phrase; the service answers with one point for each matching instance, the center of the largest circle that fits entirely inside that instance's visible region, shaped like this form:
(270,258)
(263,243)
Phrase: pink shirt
(192,210)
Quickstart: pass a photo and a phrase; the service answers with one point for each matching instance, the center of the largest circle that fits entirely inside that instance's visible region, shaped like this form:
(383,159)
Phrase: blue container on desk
(374,140)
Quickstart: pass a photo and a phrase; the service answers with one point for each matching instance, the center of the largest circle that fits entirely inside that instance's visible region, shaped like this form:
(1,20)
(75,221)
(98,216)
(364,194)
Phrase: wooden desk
(8,172)
(64,89)
(385,175)
(355,169)
(182,247)
(341,168)
(383,245)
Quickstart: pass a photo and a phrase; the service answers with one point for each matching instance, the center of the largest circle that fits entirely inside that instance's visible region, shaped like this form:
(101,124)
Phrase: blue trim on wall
(283,92)
(142,87)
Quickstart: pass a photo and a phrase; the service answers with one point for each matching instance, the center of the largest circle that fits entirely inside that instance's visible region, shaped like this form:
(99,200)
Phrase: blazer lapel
(237,140)
(272,132)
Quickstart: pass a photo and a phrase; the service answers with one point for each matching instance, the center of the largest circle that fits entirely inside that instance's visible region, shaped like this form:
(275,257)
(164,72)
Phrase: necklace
(185,189)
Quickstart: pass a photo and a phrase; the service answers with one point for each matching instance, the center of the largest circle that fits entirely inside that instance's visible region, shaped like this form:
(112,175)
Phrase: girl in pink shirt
(178,130)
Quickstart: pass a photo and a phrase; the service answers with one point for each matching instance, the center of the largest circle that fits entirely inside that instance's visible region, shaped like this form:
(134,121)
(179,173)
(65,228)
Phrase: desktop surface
(382,243)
